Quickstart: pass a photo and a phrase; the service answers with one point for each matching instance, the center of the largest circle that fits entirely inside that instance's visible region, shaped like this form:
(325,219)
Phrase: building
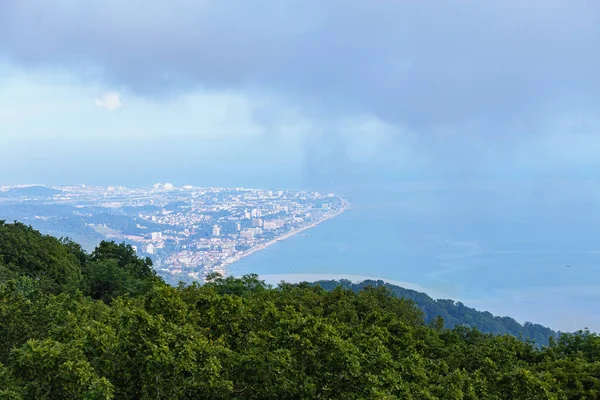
(258,231)
(247,234)
(270,226)
(256,213)
(228,248)
(256,222)
(247,214)
(216,231)
(149,249)
(156,236)
(238,227)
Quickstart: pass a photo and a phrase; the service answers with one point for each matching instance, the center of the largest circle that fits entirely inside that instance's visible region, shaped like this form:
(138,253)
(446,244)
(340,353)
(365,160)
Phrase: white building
(216,230)
(257,222)
(156,236)
(269,226)
(149,249)
(228,248)
(247,234)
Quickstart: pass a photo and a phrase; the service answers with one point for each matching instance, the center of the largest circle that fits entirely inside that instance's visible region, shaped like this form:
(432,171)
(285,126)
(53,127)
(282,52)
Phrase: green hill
(35,191)
(455,313)
(102,325)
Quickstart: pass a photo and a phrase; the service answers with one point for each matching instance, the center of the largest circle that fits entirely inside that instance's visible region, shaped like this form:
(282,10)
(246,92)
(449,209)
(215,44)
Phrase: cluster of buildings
(191,231)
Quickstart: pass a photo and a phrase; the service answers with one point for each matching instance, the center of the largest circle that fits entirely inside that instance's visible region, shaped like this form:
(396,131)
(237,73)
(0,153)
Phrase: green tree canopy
(125,334)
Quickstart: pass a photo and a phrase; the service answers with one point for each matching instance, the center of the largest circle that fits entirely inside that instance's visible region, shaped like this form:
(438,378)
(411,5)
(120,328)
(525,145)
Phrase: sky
(299,93)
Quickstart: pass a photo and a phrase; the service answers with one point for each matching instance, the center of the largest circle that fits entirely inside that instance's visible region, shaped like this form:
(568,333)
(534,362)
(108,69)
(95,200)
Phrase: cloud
(468,90)
(110,101)
(408,62)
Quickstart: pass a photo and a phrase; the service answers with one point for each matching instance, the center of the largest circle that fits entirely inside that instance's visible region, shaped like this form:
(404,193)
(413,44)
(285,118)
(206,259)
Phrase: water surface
(528,250)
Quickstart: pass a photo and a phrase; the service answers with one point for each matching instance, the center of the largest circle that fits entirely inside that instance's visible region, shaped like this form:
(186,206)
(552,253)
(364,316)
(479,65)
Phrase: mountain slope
(101,325)
(454,313)
(30,192)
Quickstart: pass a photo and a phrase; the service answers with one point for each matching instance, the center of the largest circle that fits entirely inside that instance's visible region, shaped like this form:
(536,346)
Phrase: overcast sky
(295,93)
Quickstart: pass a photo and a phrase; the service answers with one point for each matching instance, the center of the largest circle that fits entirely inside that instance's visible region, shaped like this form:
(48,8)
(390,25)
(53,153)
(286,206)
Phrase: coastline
(222,268)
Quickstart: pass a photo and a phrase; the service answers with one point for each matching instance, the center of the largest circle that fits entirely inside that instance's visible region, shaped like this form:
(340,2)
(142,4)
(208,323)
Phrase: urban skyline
(187,231)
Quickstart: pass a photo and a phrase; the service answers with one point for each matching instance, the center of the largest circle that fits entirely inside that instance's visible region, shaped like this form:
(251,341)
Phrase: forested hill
(30,191)
(454,313)
(102,325)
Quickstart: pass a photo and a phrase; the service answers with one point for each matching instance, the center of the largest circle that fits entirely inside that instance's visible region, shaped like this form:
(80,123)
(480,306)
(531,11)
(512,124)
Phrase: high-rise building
(257,222)
(156,236)
(216,230)
(247,214)
(247,234)
(269,226)
(258,231)
(238,227)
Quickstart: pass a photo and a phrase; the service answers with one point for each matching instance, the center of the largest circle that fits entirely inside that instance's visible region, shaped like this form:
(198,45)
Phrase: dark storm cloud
(419,62)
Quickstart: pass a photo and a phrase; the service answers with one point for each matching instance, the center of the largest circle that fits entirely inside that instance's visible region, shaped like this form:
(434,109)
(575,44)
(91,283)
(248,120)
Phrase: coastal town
(187,231)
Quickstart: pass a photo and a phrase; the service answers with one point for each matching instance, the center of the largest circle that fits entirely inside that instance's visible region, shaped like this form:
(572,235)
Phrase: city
(188,232)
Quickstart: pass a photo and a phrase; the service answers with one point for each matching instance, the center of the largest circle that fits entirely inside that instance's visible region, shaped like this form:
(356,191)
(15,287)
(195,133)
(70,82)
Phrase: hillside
(455,313)
(30,192)
(102,325)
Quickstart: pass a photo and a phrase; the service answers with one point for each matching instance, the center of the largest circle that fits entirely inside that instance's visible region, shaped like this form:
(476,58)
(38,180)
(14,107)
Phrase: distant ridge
(29,191)
(453,312)
(103,325)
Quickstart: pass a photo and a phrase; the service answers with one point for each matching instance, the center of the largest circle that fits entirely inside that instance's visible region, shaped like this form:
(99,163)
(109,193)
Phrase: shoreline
(222,268)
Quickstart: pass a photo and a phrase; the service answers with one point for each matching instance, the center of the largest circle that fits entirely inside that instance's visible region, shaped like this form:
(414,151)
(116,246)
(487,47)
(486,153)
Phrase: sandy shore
(293,232)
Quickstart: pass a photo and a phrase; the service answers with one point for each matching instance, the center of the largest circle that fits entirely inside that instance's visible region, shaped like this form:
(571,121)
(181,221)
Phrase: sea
(528,250)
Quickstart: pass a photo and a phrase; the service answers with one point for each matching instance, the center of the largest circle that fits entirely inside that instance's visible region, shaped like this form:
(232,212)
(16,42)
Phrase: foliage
(455,313)
(125,334)
(24,252)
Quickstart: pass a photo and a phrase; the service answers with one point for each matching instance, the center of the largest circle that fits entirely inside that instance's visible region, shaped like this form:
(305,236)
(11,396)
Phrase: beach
(223,267)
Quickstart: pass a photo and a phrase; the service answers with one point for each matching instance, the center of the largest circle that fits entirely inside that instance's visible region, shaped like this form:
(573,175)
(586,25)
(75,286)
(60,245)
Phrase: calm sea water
(528,250)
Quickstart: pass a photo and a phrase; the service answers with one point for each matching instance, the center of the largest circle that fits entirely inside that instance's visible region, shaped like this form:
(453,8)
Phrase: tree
(126,334)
